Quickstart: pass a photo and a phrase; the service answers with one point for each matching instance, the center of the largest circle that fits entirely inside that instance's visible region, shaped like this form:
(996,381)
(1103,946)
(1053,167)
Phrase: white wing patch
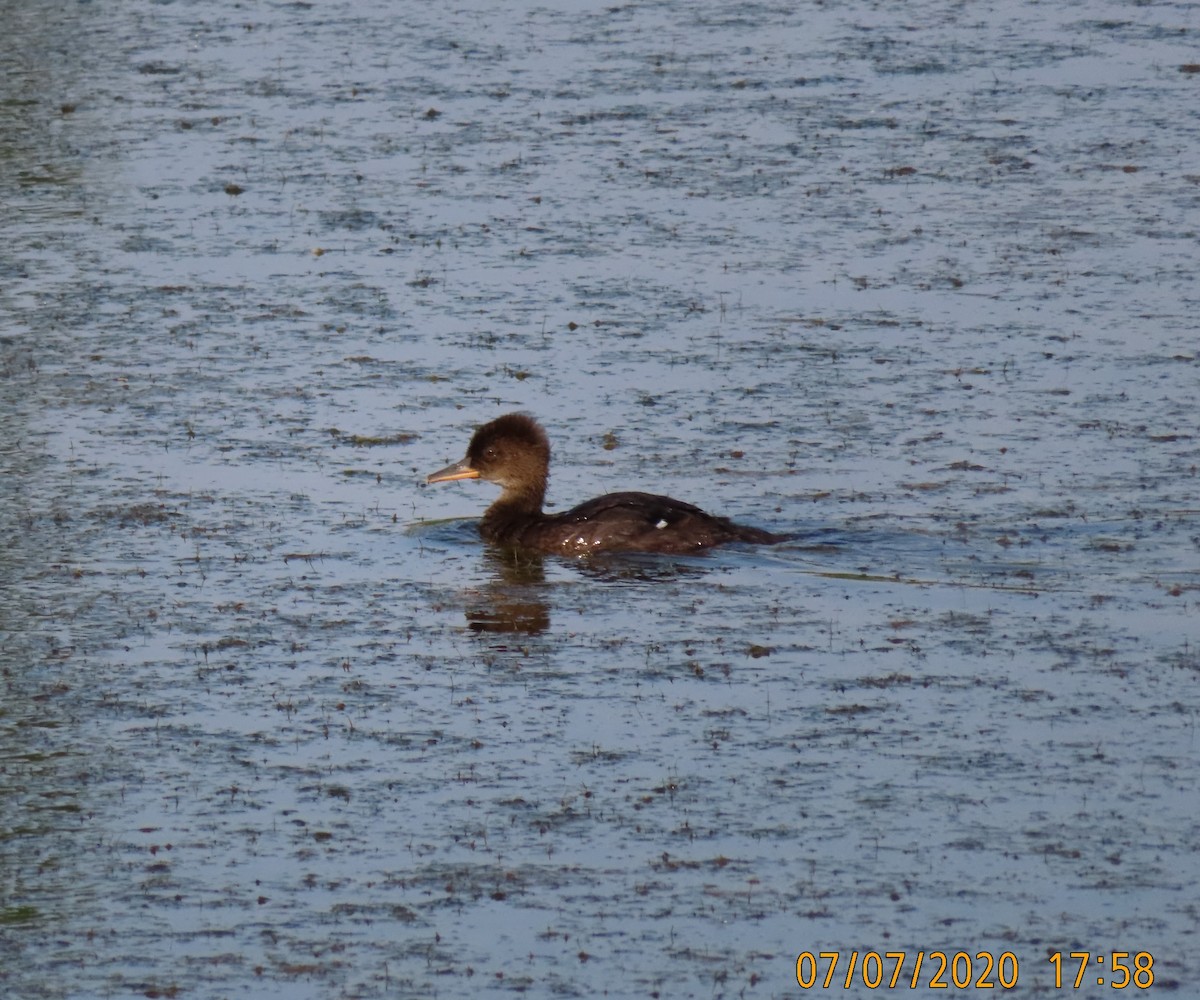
(662,523)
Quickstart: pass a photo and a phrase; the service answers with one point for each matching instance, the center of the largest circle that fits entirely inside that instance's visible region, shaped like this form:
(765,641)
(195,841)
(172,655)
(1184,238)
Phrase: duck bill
(459,470)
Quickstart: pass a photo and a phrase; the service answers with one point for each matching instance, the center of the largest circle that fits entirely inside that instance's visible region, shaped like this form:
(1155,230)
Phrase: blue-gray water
(917,282)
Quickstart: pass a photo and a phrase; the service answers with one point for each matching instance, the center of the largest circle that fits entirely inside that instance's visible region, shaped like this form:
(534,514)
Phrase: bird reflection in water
(516,601)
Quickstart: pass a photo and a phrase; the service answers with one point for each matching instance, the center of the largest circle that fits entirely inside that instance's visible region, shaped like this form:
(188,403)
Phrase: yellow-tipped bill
(459,470)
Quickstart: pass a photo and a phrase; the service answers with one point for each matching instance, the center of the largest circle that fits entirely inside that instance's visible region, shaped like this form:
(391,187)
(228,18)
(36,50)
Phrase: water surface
(916,284)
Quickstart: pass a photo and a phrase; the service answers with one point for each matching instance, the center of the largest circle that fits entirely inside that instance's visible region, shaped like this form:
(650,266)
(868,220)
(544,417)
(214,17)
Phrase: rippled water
(916,283)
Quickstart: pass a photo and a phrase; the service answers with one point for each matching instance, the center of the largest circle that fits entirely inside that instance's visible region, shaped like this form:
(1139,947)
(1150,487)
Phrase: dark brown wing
(636,522)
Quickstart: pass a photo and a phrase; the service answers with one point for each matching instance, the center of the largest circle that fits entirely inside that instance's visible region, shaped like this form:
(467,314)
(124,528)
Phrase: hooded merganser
(513,452)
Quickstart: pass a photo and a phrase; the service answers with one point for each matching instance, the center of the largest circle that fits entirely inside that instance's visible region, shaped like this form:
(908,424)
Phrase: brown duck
(514,453)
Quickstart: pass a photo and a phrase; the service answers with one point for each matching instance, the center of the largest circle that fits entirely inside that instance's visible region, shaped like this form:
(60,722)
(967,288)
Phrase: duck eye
(489,453)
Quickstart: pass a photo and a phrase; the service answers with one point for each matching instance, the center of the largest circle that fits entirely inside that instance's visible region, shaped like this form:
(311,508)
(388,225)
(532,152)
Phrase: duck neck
(516,508)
